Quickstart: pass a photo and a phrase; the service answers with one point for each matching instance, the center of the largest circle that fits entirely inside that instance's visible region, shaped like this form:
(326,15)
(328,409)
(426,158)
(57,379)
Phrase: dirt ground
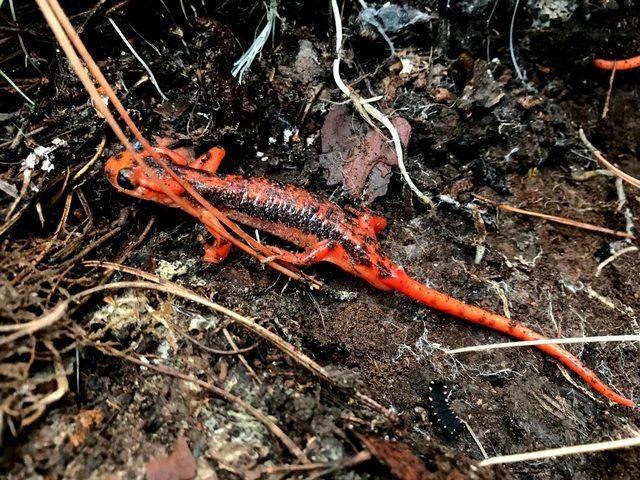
(478,126)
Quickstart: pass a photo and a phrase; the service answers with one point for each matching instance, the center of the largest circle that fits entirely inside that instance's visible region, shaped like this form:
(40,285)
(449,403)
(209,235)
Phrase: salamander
(325,231)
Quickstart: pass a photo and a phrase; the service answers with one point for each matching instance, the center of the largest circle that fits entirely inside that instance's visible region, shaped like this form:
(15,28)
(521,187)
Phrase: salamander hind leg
(368,221)
(372,222)
(217,251)
(209,161)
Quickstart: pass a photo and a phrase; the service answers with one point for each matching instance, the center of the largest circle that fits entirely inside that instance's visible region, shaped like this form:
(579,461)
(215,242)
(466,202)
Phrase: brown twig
(93,159)
(241,357)
(553,218)
(360,457)
(111,233)
(44,321)
(605,163)
(62,383)
(326,468)
(215,351)
(605,109)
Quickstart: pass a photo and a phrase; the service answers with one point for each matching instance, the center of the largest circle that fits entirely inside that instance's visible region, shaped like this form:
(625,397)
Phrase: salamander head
(138,175)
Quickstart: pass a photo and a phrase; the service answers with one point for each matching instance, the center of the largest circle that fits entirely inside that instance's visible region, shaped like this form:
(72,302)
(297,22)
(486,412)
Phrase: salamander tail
(402,283)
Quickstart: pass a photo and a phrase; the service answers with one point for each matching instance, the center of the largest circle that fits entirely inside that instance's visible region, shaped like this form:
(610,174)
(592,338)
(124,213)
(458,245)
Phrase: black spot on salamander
(277,204)
(383,271)
(273,205)
(359,254)
(157,169)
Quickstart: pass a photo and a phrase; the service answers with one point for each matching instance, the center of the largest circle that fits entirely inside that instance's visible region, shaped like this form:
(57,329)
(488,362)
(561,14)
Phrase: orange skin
(325,231)
(626,64)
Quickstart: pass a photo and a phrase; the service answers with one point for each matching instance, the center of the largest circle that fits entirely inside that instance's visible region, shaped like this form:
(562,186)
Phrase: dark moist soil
(473,132)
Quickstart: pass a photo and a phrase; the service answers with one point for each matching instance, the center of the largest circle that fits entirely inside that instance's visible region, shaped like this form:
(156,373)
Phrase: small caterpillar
(440,412)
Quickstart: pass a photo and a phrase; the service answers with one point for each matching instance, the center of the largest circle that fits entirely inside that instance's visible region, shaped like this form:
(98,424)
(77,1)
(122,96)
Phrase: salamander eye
(124,179)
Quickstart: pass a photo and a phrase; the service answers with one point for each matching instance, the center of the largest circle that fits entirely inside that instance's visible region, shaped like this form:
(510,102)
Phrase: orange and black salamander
(324,231)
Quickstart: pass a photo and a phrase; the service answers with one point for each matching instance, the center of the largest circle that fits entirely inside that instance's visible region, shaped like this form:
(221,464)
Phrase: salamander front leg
(376,223)
(368,220)
(209,161)
(316,253)
(217,251)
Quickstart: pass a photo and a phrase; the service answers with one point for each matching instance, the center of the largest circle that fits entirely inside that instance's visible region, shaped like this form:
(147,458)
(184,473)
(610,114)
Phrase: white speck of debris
(40,151)
(144,359)
(310,141)
(198,323)
(168,270)
(287,134)
(34,189)
(30,161)
(507,157)
(259,154)
(41,156)
(407,66)
(47,166)
(272,140)
(164,349)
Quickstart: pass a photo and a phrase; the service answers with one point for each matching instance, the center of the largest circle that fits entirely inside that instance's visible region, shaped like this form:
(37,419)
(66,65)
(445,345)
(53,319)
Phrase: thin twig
(20,40)
(44,321)
(16,88)
(605,163)
(551,341)
(215,351)
(476,440)
(139,58)
(83,253)
(605,109)
(368,111)
(87,166)
(511,49)
(562,451)
(607,261)
(62,387)
(553,218)
(241,357)
(243,64)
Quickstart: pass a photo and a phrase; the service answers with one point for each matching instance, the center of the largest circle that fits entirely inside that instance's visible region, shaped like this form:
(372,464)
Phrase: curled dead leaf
(179,465)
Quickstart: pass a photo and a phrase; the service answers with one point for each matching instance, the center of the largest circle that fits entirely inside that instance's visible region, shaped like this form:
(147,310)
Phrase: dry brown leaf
(361,161)
(398,457)
(179,465)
